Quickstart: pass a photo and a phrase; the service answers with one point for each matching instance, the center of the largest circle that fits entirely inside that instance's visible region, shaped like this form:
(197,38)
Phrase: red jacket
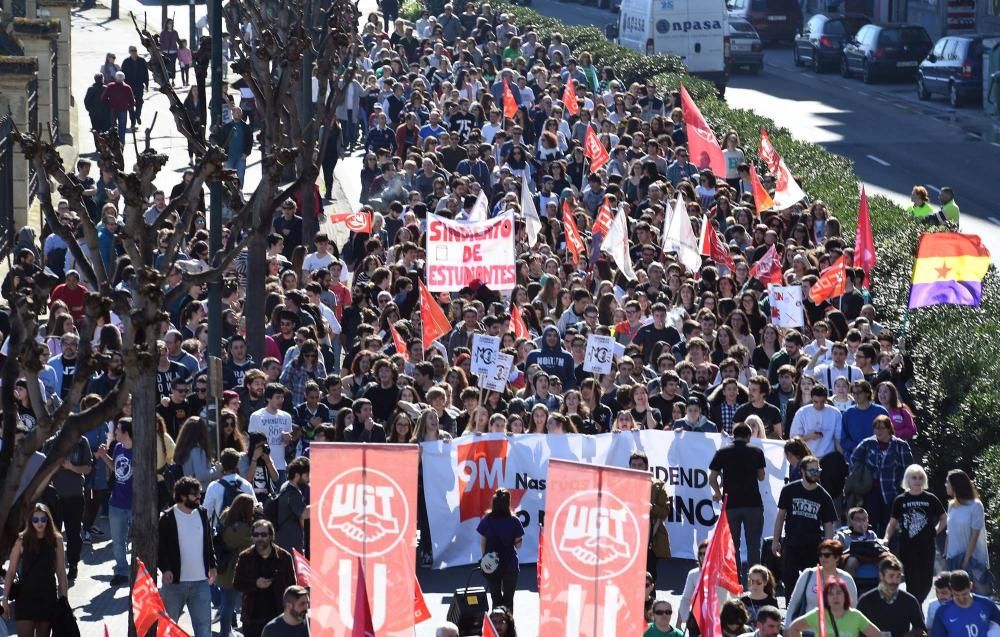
(118,96)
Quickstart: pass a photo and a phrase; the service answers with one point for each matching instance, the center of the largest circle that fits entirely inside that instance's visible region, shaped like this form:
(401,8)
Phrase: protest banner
(363,512)
(484,353)
(459,253)
(786,305)
(596,532)
(495,378)
(461,476)
(600,351)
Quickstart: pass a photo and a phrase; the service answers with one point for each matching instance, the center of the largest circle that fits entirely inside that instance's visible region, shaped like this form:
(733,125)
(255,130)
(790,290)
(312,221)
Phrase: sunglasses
(39,520)
(661,613)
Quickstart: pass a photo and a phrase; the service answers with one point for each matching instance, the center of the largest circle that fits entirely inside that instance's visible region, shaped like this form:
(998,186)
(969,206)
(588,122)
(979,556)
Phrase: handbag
(63,620)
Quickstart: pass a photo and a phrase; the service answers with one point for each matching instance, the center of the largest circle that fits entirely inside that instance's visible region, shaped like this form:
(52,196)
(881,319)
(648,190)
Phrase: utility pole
(215,228)
(194,29)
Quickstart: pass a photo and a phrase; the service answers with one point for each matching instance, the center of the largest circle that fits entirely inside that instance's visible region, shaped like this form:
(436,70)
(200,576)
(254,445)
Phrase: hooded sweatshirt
(554,360)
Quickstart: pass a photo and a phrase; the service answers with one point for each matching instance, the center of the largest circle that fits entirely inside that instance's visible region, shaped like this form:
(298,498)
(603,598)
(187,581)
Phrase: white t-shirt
(190,538)
(272,426)
(962,519)
(315,261)
(828,374)
(827,421)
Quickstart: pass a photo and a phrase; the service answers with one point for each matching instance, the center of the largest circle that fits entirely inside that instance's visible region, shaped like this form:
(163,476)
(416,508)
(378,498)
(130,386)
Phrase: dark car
(821,42)
(744,46)
(953,68)
(774,20)
(885,50)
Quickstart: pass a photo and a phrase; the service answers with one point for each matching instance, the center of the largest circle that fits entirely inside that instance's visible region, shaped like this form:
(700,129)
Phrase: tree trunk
(145,513)
(256,273)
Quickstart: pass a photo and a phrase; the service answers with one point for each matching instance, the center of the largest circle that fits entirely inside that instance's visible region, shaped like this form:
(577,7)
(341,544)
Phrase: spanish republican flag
(949,270)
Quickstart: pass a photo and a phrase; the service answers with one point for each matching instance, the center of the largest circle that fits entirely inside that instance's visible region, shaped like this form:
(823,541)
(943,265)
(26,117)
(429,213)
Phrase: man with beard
(251,394)
(895,612)
(292,509)
(263,572)
(64,365)
(806,513)
(103,384)
(291,622)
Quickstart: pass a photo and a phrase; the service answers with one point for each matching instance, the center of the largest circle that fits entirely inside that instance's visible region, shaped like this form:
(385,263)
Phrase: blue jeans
(227,610)
(120,520)
(239,164)
(122,121)
(197,597)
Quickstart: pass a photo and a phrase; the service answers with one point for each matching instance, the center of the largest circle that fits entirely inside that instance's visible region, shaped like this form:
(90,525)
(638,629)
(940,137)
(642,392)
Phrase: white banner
(786,305)
(484,353)
(461,476)
(461,252)
(495,378)
(600,350)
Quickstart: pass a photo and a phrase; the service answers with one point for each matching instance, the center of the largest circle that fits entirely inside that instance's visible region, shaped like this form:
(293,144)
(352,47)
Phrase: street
(894,140)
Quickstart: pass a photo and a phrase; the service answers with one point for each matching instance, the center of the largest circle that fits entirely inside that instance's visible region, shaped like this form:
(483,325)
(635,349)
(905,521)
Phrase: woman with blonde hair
(919,516)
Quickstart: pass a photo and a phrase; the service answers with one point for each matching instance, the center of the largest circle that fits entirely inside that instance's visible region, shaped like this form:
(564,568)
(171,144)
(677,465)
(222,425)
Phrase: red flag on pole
(517,322)
(420,611)
(574,243)
(594,150)
(718,569)
(703,148)
(398,341)
(489,630)
(539,566)
(432,317)
(864,245)
(303,571)
(832,282)
(355,221)
(761,200)
(768,268)
(821,603)
(569,98)
(604,218)
(147,605)
(363,625)
(167,627)
(712,246)
(509,105)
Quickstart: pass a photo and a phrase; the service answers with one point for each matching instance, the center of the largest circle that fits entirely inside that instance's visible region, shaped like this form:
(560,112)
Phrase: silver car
(743,46)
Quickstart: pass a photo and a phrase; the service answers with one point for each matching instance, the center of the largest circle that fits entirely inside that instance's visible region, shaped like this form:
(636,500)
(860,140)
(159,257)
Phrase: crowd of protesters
(699,352)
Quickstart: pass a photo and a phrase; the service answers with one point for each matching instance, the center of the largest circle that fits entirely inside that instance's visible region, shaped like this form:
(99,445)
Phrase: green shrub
(410,10)
(955,350)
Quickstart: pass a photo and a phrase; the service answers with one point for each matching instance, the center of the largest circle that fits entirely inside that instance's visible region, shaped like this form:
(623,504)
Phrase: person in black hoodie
(97,109)
(137,76)
(553,359)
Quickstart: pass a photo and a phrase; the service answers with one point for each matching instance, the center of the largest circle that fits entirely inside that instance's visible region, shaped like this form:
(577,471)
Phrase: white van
(693,29)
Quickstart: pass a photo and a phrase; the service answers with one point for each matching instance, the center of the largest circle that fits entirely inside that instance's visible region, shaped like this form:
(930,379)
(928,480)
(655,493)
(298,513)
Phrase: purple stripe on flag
(946,293)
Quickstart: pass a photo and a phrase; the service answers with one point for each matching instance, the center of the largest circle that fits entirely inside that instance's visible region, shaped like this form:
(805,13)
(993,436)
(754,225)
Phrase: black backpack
(231,489)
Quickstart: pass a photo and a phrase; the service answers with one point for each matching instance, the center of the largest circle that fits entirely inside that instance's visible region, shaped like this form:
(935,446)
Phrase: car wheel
(953,97)
(867,74)
(795,56)
(922,92)
(845,70)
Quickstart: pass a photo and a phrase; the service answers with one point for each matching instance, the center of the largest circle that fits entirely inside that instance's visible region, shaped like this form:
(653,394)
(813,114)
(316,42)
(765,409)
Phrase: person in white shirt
(215,494)
(819,348)
(274,423)
(838,368)
(320,259)
(819,424)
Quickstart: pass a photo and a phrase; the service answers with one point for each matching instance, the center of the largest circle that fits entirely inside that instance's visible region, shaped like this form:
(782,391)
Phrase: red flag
(355,221)
(539,567)
(420,611)
(604,218)
(167,627)
(832,282)
(768,268)
(574,243)
(147,605)
(569,98)
(713,246)
(821,603)
(106,633)
(786,191)
(864,245)
(363,625)
(761,200)
(517,321)
(398,341)
(489,630)
(303,571)
(509,105)
(703,148)
(594,150)
(432,317)
(718,569)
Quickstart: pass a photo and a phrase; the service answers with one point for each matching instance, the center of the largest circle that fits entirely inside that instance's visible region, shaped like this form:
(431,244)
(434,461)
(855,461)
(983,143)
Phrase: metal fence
(33,129)
(7,156)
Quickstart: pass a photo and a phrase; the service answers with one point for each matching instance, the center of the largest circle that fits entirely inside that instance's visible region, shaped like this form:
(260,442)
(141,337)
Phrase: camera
(267,449)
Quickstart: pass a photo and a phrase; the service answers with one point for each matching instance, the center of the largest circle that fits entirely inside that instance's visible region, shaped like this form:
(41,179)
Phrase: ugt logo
(362,512)
(601,535)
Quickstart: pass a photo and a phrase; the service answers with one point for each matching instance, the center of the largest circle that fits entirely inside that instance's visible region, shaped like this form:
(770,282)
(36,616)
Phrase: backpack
(230,489)
(171,472)
(271,510)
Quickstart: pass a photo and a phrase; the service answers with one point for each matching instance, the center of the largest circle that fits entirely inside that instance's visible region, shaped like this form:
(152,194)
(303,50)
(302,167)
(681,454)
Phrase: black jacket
(136,74)
(169,554)
(100,114)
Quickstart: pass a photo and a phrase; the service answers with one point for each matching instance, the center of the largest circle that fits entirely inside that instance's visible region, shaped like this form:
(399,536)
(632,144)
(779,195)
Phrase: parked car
(821,42)
(774,20)
(885,50)
(953,68)
(745,48)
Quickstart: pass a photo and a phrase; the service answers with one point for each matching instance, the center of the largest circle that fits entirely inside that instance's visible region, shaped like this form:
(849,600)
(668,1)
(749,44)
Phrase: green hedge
(956,351)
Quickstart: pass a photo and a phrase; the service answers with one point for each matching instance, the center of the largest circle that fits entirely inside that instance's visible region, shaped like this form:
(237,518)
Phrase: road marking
(934,188)
(877,160)
(997,144)
(995,220)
